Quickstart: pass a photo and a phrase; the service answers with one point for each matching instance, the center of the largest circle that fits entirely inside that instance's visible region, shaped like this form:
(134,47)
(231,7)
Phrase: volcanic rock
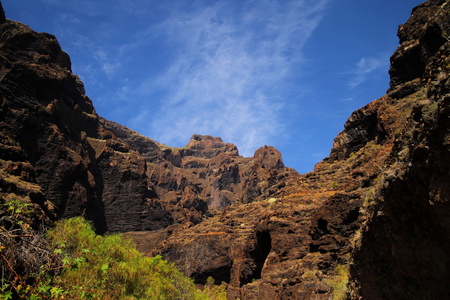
(372,216)
(207,175)
(74,162)
(54,152)
(370,222)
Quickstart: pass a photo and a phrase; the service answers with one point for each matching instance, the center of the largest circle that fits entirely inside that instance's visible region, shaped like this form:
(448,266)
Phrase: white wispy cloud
(229,69)
(226,64)
(108,65)
(365,67)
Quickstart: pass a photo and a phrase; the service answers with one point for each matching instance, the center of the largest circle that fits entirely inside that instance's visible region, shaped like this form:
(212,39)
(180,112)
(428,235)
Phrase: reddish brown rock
(207,174)
(51,138)
(269,157)
(420,38)
(377,207)
(403,251)
(370,222)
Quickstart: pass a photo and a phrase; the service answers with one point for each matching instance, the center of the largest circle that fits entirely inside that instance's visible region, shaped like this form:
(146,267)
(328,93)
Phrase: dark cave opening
(322,224)
(220,274)
(258,255)
(352,216)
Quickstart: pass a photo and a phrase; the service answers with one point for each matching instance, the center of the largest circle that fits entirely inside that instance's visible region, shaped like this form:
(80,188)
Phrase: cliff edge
(370,222)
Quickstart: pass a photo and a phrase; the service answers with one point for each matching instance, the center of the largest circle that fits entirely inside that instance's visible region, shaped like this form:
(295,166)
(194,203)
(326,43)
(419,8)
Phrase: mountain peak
(208,146)
(269,157)
(370,220)
(420,39)
(205,141)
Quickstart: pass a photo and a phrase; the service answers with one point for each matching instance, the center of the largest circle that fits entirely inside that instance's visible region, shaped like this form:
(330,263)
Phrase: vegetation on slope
(75,263)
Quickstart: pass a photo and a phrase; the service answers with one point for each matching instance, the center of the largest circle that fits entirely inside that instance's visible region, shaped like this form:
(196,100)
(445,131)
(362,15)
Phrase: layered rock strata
(58,156)
(370,222)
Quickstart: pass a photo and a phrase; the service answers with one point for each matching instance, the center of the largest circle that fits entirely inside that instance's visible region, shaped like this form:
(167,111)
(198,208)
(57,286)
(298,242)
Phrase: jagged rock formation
(206,175)
(60,157)
(54,152)
(378,204)
(404,247)
(372,217)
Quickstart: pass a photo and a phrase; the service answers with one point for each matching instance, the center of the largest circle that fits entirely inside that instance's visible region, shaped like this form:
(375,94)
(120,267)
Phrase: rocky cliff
(55,155)
(59,156)
(370,222)
(207,175)
(403,251)
(373,216)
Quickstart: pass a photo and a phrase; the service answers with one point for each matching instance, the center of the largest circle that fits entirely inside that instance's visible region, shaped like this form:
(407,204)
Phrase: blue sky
(282,73)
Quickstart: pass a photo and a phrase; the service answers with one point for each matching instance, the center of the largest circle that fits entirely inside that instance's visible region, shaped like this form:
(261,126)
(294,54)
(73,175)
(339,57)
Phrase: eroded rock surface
(370,222)
(55,154)
(374,213)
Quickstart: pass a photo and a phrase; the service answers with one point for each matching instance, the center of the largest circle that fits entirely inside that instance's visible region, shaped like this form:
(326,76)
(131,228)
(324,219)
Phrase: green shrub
(338,283)
(17,207)
(214,292)
(110,267)
(75,263)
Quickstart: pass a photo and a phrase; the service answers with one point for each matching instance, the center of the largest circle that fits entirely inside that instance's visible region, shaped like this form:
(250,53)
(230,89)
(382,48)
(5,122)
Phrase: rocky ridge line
(376,207)
(370,222)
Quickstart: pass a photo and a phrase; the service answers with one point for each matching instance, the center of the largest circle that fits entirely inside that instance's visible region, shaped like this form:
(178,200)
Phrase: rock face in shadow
(403,251)
(207,175)
(370,222)
(418,44)
(60,156)
(55,154)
